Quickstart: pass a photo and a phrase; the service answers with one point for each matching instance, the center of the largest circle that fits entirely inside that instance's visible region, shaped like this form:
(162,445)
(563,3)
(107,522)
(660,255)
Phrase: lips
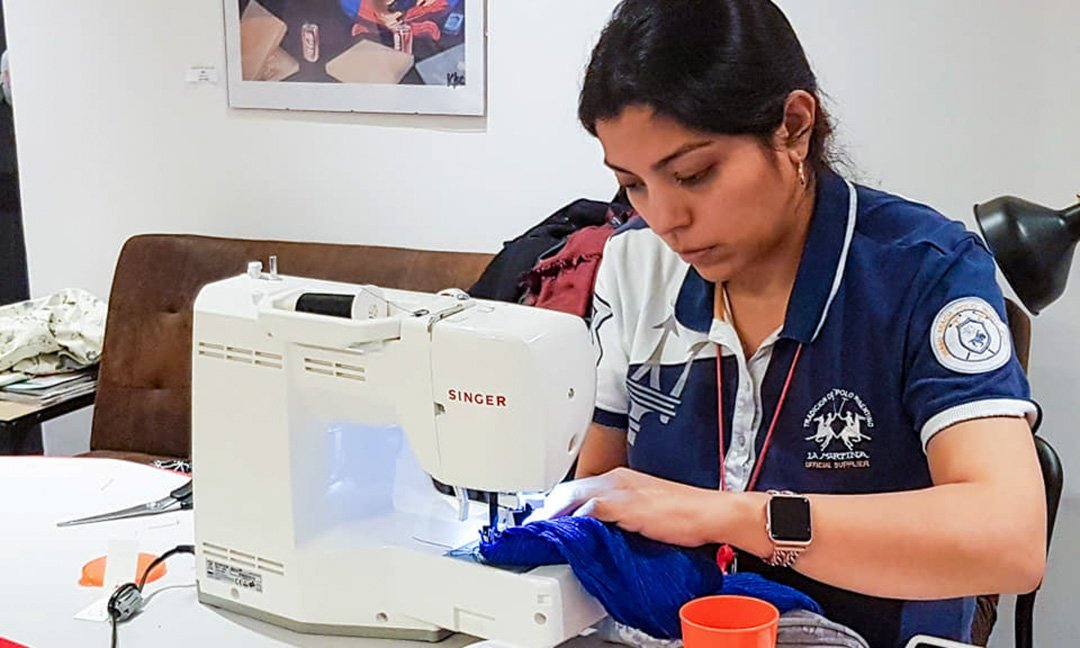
(697,256)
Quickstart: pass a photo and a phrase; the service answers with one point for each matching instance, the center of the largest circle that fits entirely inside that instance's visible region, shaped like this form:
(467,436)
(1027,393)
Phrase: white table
(40,564)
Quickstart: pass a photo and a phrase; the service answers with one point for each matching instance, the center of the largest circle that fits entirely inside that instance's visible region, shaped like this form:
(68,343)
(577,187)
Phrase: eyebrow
(668,159)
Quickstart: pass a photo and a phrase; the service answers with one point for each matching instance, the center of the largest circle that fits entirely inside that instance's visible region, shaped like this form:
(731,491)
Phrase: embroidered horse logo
(844,422)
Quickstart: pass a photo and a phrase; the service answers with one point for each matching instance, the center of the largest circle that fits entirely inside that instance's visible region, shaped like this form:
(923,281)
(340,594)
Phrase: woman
(865,365)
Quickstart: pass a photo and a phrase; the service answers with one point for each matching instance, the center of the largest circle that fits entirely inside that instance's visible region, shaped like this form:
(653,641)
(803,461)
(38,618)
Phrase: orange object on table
(93,572)
(729,622)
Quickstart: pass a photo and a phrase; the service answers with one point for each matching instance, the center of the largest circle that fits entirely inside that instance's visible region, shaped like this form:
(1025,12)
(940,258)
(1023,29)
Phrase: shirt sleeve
(960,360)
(609,345)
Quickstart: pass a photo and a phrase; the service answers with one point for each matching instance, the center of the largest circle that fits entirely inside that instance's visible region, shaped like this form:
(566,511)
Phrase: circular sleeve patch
(968,337)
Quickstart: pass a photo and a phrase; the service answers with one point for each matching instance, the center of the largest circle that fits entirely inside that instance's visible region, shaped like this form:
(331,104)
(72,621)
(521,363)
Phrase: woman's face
(721,202)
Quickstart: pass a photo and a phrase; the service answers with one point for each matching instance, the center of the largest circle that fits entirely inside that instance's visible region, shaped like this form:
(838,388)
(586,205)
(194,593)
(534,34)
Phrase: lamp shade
(1033,246)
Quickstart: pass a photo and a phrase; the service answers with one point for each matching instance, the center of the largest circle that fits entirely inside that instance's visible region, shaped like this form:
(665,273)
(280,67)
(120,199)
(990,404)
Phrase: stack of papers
(9,377)
(46,390)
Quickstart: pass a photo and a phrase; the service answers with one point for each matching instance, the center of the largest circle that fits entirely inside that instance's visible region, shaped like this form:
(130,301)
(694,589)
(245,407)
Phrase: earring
(802,173)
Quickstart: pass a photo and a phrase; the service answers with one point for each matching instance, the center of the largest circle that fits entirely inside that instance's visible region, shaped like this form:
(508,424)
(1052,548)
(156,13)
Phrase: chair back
(1020,329)
(143,406)
(1052,473)
(1053,479)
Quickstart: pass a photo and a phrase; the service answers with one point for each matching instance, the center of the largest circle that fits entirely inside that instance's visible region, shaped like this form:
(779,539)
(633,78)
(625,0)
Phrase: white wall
(114,142)
(948,102)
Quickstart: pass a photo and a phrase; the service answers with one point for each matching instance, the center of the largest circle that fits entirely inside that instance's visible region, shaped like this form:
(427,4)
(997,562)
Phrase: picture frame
(382,56)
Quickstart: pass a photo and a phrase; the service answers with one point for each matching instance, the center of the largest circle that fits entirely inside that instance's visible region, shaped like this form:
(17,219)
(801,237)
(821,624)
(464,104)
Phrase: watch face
(789,519)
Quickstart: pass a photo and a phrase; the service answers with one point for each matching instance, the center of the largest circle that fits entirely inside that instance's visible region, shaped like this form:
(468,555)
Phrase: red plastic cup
(729,622)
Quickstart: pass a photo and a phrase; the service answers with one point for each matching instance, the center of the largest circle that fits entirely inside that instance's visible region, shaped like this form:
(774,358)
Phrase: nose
(666,213)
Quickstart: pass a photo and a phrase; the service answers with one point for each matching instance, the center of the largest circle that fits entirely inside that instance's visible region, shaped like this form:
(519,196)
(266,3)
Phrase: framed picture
(388,56)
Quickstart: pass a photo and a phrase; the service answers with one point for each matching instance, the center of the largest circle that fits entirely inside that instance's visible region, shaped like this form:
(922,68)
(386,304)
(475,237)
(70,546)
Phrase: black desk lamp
(1033,246)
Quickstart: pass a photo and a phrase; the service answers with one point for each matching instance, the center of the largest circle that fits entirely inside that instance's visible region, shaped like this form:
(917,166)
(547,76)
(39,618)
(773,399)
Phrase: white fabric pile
(54,334)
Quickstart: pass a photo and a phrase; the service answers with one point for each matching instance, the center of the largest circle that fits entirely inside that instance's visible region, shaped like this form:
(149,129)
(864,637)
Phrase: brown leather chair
(143,407)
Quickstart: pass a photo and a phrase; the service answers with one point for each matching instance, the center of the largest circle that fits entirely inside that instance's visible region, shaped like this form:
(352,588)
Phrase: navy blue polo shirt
(901,327)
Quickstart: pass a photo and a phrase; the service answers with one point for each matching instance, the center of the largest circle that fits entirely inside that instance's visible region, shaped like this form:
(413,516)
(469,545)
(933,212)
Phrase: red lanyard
(772,425)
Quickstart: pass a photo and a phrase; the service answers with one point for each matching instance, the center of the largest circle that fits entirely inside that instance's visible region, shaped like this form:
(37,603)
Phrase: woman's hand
(656,508)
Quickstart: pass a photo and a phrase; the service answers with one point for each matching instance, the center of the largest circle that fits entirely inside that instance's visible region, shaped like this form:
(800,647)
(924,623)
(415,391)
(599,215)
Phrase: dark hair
(719,66)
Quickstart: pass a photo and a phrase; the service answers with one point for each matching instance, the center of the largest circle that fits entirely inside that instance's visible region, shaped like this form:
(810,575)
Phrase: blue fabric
(640,582)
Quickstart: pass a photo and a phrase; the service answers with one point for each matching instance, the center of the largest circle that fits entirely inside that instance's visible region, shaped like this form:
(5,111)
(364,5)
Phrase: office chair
(143,408)
(1053,478)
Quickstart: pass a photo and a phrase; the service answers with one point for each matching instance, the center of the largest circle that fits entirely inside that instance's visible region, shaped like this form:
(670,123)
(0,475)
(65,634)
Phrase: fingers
(596,508)
(568,497)
(561,501)
(546,512)
(588,509)
(590,496)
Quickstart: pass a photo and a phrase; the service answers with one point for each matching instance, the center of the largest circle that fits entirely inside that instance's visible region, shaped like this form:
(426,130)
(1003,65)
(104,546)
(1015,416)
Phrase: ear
(800,114)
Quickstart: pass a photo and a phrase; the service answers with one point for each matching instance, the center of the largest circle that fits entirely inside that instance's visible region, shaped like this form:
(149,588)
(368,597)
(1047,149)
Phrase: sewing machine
(315,436)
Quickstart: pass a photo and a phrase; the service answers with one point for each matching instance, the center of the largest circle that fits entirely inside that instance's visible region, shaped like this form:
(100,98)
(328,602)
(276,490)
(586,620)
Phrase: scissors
(181,496)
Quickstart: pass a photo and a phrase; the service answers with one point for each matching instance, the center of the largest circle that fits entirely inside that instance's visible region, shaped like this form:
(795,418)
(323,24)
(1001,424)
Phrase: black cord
(127,600)
(188,549)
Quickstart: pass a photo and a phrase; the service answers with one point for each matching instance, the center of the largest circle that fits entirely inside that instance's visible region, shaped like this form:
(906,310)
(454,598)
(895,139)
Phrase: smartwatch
(787,523)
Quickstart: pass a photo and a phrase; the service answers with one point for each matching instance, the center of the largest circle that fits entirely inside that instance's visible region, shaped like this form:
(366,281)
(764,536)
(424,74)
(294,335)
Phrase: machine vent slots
(242,560)
(334,369)
(241,355)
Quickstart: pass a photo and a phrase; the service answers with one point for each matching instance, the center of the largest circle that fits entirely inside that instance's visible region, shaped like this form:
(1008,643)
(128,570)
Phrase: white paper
(122,563)
(9,378)
(96,611)
(121,566)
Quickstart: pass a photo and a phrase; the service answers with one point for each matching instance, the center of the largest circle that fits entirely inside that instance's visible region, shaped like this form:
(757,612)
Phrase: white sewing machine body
(313,438)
